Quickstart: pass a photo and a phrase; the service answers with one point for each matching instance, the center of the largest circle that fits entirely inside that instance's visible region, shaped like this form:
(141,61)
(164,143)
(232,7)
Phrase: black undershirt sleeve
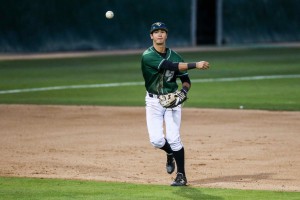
(168,65)
(185,78)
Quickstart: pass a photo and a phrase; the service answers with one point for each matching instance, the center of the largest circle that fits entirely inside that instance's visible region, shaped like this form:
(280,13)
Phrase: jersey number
(169,74)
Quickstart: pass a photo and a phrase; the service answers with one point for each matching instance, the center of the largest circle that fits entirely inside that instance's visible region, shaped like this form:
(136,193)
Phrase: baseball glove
(172,100)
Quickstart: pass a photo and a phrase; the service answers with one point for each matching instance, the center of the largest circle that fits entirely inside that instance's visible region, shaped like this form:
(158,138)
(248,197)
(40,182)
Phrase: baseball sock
(179,158)
(167,147)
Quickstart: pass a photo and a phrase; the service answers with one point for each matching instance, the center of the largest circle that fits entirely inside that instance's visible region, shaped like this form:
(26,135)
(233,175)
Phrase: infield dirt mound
(224,148)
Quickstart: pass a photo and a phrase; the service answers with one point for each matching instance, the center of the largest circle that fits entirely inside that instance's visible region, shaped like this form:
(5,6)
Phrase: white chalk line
(248,78)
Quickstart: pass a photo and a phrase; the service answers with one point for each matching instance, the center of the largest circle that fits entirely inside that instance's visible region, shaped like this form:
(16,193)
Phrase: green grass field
(28,188)
(277,89)
(271,94)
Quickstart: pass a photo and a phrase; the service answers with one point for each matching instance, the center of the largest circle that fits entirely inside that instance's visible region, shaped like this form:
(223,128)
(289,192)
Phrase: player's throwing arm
(199,65)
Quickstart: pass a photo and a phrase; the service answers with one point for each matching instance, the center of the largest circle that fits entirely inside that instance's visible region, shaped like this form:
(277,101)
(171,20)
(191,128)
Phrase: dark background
(80,25)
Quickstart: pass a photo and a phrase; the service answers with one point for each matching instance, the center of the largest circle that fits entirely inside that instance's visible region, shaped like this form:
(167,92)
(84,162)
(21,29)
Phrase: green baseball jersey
(157,80)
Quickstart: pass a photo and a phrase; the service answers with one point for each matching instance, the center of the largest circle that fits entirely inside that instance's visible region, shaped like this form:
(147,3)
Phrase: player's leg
(155,119)
(173,122)
(170,164)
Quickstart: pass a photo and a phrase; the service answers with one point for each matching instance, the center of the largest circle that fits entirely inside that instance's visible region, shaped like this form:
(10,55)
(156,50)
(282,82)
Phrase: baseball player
(161,66)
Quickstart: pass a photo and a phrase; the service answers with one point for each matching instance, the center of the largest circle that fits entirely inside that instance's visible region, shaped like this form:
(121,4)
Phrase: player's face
(159,37)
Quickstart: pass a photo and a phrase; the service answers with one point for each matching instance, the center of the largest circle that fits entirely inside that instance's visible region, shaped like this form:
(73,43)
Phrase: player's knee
(176,146)
(158,143)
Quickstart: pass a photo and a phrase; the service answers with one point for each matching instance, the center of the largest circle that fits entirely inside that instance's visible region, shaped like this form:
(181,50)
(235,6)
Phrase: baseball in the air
(109,14)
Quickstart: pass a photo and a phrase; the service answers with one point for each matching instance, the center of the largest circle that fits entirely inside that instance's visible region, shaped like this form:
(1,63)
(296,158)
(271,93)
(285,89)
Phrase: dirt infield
(224,148)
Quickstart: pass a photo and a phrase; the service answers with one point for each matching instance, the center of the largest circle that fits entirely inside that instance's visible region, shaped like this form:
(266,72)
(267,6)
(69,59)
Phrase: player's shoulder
(174,54)
(148,51)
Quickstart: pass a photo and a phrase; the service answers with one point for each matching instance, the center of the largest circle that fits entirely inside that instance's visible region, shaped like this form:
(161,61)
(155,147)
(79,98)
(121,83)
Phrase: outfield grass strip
(70,87)
(249,78)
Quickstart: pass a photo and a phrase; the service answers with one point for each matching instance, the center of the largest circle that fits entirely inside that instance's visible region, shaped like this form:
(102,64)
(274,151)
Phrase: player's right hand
(202,65)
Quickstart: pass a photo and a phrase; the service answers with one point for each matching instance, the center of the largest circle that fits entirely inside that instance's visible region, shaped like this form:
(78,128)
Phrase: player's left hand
(182,96)
(168,100)
(174,99)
